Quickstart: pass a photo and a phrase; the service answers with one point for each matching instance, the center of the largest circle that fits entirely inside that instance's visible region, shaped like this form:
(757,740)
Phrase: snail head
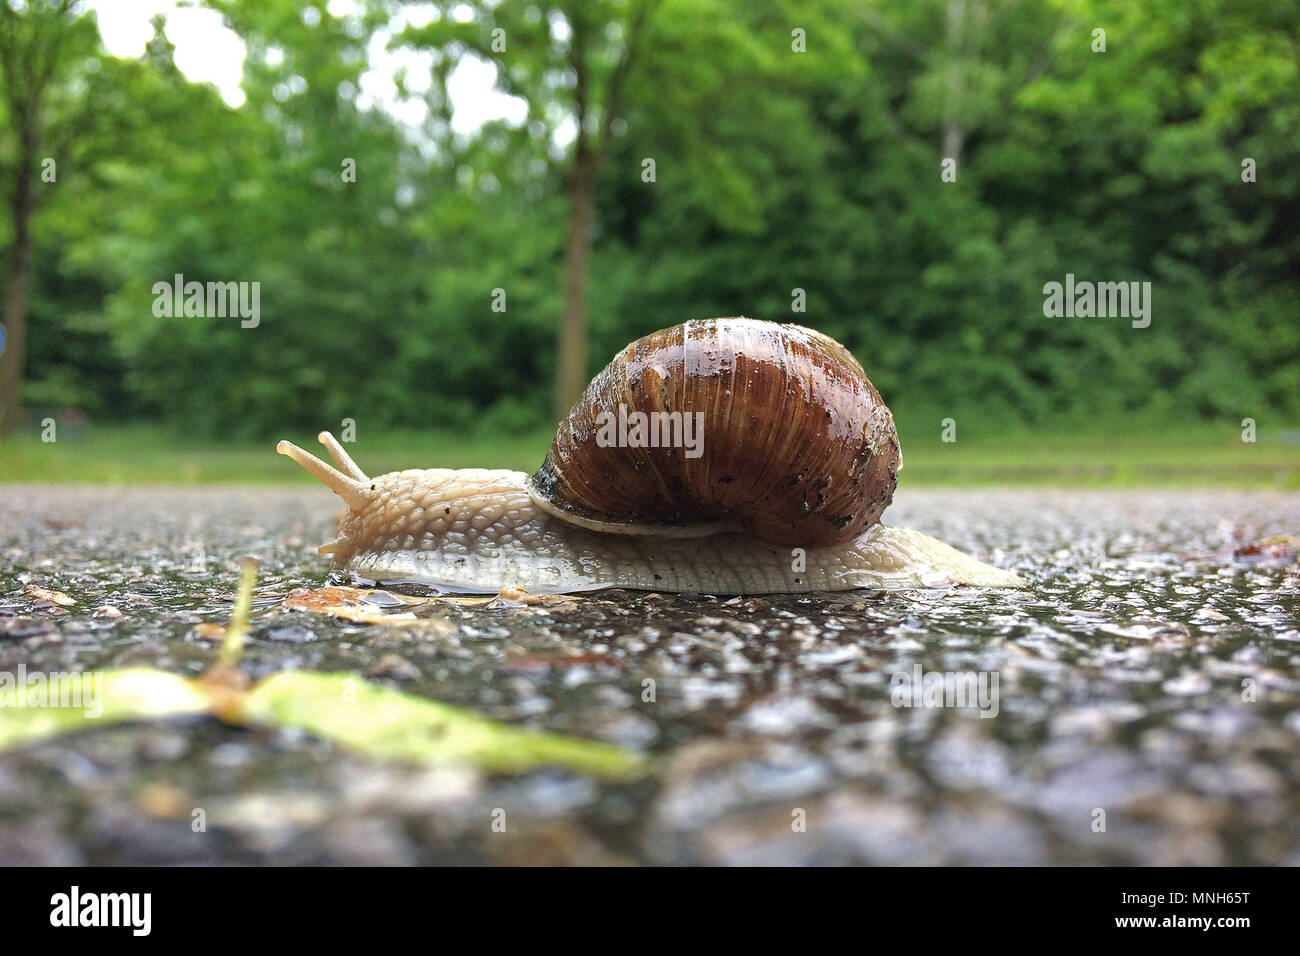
(347,481)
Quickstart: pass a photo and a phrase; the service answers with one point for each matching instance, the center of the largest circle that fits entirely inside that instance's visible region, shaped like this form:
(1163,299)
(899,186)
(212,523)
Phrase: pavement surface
(1138,702)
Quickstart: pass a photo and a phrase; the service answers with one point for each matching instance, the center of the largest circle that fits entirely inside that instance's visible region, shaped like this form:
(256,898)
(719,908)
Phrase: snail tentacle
(341,457)
(350,489)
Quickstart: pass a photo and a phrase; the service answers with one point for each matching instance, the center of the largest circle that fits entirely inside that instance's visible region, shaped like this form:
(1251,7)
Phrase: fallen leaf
(45,594)
(1278,548)
(94,699)
(537,662)
(349,604)
(511,596)
(381,722)
(161,800)
(371,720)
(209,631)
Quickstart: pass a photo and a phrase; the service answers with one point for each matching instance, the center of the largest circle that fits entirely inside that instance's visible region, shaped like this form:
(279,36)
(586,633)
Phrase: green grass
(1124,461)
(140,454)
(1190,458)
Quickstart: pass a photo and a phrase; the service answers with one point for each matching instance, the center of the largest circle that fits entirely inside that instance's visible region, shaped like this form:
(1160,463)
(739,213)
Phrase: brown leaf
(511,596)
(530,663)
(209,631)
(349,604)
(45,594)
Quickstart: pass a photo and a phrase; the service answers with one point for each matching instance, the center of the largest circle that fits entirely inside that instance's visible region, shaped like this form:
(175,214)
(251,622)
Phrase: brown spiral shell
(796,446)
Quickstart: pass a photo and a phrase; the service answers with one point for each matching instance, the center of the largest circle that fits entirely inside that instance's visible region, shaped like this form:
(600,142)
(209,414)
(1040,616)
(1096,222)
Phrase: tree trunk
(571,369)
(14,360)
(954,133)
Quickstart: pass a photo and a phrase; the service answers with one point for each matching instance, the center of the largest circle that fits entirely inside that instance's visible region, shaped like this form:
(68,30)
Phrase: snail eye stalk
(351,489)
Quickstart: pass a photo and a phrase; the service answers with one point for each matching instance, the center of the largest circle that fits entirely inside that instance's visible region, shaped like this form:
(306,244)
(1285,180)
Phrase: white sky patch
(379,86)
(471,85)
(566,131)
(419,14)
(124,24)
(209,52)
(560,29)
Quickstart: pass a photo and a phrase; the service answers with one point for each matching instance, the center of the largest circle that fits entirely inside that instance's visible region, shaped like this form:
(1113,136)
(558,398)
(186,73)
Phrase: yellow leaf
(381,722)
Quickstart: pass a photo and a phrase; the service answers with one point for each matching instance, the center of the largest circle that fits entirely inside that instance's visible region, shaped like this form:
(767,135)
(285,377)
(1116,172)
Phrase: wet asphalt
(1141,696)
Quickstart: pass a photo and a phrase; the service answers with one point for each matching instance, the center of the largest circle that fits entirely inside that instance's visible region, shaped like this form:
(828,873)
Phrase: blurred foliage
(775,170)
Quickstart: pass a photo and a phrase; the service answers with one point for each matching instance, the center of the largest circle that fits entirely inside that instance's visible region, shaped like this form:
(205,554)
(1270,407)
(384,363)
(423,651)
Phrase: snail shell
(768,429)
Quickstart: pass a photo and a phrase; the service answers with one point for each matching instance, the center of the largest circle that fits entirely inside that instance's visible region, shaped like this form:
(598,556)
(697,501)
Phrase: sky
(209,52)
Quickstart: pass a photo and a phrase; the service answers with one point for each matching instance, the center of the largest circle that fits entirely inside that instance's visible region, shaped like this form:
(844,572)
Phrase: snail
(722,456)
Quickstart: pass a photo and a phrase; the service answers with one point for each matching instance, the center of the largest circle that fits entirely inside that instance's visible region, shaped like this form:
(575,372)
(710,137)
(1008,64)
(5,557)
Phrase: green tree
(47,100)
(570,61)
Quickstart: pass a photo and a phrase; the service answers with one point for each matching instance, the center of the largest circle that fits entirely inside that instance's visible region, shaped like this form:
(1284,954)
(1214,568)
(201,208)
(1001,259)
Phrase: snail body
(720,456)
